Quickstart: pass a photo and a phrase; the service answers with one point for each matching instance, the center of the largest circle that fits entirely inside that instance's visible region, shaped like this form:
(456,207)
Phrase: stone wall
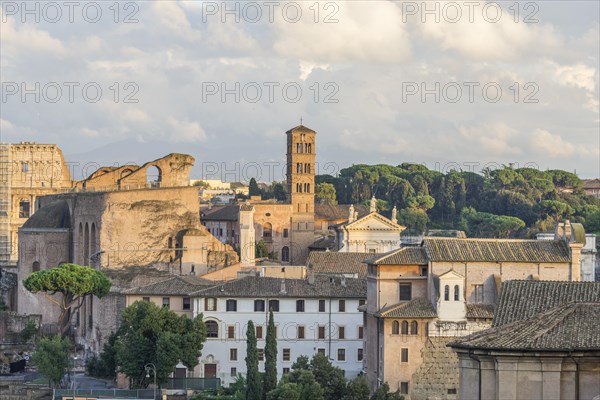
(438,374)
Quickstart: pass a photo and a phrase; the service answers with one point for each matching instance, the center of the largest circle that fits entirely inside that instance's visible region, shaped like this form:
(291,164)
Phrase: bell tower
(301,152)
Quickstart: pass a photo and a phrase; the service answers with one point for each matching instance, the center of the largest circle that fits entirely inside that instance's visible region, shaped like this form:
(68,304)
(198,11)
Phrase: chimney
(311,275)
(283,286)
(343,281)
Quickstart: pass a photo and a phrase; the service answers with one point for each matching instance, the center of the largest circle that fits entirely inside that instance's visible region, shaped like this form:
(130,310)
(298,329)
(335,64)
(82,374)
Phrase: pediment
(374,221)
(451,275)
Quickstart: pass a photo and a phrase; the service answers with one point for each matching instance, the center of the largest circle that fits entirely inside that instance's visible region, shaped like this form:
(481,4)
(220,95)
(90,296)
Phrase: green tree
(330,378)
(104,365)
(270,378)
(357,389)
(383,393)
(74,282)
(286,391)
(152,334)
(554,209)
(29,331)
(261,250)
(52,357)
(307,385)
(279,191)
(325,193)
(253,189)
(253,391)
(414,219)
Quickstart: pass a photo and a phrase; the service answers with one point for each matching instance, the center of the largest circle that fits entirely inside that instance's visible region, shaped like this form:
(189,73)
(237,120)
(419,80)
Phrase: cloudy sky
(455,85)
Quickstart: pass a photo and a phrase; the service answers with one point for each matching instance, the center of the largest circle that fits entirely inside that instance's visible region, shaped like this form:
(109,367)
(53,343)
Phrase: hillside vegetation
(504,202)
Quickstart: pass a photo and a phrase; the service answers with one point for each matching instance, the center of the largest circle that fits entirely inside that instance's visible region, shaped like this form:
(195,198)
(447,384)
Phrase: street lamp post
(148,367)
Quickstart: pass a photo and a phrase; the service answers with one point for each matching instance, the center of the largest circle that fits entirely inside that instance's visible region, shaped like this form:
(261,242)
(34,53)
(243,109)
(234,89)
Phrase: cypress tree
(270,381)
(252,374)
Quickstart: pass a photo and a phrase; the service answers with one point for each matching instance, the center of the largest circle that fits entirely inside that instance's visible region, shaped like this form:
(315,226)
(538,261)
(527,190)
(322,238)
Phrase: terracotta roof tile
(496,250)
(403,256)
(177,285)
(416,308)
(476,310)
(521,299)
(329,262)
(254,286)
(568,327)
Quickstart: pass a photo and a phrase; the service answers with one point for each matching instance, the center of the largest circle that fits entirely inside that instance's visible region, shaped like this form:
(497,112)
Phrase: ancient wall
(438,375)
(170,171)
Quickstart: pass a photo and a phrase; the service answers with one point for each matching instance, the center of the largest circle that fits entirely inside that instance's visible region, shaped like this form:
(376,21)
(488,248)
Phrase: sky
(452,85)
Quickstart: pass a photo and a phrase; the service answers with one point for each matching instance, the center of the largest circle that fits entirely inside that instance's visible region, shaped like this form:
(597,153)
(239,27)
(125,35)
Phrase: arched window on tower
(446,293)
(267,231)
(298,188)
(404,328)
(395,328)
(24,208)
(414,328)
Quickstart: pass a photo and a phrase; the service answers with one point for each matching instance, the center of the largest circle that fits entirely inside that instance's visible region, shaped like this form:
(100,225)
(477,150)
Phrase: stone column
(551,369)
(506,383)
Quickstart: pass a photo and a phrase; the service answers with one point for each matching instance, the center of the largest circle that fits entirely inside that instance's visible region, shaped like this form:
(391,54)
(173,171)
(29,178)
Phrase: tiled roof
(404,255)
(329,262)
(225,213)
(177,285)
(300,128)
(254,286)
(338,211)
(324,243)
(55,215)
(496,250)
(480,311)
(591,183)
(520,300)
(417,308)
(569,327)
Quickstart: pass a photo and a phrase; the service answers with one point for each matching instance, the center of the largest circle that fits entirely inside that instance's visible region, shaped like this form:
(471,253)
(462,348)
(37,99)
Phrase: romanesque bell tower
(301,152)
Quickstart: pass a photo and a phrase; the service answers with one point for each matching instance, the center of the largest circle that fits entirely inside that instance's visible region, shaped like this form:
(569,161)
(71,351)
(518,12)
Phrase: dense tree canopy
(74,282)
(524,200)
(152,334)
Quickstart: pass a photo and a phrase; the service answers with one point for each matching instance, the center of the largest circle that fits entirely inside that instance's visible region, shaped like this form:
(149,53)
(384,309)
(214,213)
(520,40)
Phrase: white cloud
(185,131)
(171,16)
(364,33)
(496,139)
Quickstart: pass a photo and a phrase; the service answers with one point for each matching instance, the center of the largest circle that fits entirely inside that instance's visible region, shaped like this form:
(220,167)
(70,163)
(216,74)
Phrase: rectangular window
(187,304)
(362,302)
(423,271)
(321,332)
(274,305)
(341,354)
(342,306)
(404,355)
(286,355)
(405,291)
(233,355)
(403,387)
(231,305)
(286,232)
(299,305)
(233,372)
(372,251)
(146,298)
(478,293)
(321,305)
(231,332)
(259,305)
(452,391)
(167,302)
(261,354)
(210,304)
(321,351)
(300,332)
(25,167)
(359,355)
(259,332)
(286,370)
(341,332)
(361,332)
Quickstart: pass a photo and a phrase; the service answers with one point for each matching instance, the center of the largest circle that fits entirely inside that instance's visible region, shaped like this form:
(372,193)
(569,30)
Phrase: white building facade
(316,315)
